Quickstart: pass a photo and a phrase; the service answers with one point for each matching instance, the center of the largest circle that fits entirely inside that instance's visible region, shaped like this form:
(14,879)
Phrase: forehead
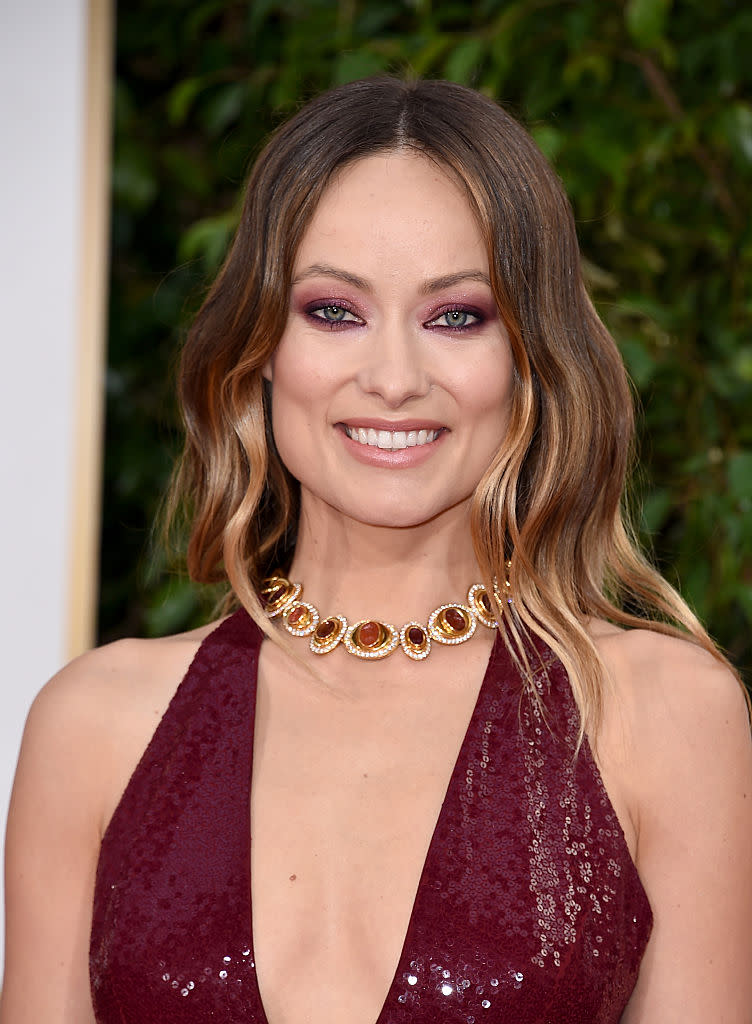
(395,203)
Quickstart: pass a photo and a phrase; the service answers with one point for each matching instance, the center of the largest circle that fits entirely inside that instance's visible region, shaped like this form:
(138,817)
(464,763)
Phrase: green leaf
(549,139)
(208,239)
(464,61)
(696,586)
(354,64)
(430,53)
(655,509)
(641,362)
(202,13)
(743,363)
(646,20)
(181,99)
(258,11)
(133,181)
(737,124)
(189,173)
(740,474)
(225,107)
(606,149)
(587,66)
(176,601)
(744,596)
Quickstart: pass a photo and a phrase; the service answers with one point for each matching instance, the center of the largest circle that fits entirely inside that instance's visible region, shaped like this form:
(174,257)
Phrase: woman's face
(391,383)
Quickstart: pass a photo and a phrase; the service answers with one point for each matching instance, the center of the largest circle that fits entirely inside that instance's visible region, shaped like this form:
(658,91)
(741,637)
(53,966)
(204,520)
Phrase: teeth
(391,440)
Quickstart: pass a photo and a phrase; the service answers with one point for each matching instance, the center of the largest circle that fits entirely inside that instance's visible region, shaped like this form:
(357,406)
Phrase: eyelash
(334,325)
(478,320)
(331,325)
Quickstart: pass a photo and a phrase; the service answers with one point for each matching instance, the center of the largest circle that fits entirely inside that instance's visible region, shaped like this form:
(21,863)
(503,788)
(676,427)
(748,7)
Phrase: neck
(364,571)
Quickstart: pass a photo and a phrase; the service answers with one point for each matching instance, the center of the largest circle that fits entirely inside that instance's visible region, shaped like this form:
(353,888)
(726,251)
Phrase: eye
(456,319)
(333,314)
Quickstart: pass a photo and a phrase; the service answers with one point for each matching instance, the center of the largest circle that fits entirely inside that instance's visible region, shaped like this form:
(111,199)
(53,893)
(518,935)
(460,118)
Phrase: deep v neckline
(527,903)
(248,935)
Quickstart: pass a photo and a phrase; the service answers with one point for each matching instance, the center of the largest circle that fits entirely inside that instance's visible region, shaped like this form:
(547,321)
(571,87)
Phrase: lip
(391,458)
(392,425)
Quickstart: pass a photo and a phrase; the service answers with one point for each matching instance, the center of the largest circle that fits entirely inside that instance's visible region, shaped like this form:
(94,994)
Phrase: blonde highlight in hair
(551,503)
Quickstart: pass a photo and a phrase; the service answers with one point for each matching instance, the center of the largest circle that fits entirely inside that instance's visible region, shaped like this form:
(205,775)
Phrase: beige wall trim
(92,328)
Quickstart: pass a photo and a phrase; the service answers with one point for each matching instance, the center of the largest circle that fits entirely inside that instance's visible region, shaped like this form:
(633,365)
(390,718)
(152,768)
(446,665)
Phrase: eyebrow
(434,284)
(437,284)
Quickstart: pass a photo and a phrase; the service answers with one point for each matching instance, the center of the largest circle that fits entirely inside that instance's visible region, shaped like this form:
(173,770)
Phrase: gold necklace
(370,638)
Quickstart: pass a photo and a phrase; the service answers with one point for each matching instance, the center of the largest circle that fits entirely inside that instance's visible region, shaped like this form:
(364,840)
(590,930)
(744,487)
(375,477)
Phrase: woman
(481,790)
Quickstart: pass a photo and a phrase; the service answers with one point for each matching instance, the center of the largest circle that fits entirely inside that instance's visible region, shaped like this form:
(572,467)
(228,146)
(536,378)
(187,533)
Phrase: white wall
(49,365)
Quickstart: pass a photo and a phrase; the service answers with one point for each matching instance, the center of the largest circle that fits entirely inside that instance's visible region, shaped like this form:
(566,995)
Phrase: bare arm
(691,780)
(51,853)
(84,736)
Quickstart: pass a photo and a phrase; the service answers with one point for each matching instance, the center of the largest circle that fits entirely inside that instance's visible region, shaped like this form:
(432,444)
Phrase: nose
(395,367)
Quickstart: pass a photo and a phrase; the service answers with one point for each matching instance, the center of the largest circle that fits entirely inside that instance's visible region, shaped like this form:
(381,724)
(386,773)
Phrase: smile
(389,439)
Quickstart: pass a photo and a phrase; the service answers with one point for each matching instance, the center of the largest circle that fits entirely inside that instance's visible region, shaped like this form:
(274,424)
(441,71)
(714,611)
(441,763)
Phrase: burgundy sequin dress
(529,909)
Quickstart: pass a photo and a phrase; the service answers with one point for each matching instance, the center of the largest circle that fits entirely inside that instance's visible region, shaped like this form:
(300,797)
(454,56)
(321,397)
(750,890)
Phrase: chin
(398,513)
(395,521)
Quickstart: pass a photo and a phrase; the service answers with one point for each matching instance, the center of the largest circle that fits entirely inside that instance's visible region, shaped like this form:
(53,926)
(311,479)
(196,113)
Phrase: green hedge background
(644,109)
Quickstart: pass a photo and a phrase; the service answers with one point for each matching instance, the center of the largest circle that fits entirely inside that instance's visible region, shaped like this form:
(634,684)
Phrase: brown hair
(551,502)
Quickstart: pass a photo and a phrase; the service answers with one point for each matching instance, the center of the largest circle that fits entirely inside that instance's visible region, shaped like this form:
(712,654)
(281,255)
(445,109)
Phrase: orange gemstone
(455,620)
(325,629)
(369,634)
(416,636)
(298,616)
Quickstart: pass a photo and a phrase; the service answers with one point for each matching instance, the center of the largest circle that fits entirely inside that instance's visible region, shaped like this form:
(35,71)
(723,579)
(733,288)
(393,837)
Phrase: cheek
(487,389)
(304,365)
(300,393)
(295,378)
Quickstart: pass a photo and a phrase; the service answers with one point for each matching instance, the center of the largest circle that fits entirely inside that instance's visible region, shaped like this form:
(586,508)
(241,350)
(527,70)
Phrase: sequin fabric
(529,908)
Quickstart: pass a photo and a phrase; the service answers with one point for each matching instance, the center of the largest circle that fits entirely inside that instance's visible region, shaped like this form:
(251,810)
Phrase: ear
(266,371)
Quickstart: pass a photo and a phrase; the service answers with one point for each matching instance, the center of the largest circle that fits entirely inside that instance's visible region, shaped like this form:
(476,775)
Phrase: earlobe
(266,371)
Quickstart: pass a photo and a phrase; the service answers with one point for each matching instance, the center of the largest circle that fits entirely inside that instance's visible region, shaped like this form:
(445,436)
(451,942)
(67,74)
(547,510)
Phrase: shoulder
(99,680)
(675,748)
(659,681)
(85,732)
(675,731)
(94,718)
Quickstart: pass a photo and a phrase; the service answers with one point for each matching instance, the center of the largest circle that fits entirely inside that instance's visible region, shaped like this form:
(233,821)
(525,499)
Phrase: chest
(522,903)
(323,763)
(345,799)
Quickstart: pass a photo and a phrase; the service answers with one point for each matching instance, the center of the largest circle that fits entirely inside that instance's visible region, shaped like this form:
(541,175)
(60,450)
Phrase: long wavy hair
(551,503)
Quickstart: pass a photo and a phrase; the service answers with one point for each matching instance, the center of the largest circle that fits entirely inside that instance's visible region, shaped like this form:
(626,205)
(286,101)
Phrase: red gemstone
(485,603)
(455,620)
(325,629)
(297,615)
(276,595)
(369,634)
(416,636)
